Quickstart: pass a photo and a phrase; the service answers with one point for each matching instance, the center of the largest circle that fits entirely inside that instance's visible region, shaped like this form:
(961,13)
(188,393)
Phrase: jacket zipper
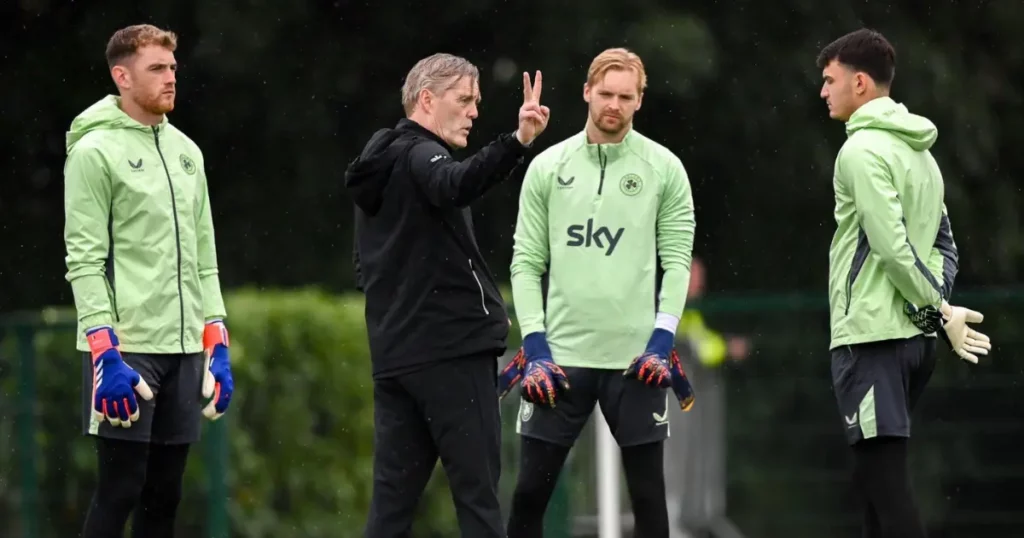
(177,236)
(479,285)
(604,161)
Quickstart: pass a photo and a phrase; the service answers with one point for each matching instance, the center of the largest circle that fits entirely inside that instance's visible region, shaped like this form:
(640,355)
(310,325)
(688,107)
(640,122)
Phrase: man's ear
(122,78)
(426,100)
(586,92)
(640,100)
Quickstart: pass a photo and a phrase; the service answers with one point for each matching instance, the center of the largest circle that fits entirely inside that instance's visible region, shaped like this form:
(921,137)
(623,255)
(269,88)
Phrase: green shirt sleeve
(881,217)
(531,251)
(213,301)
(87,195)
(676,226)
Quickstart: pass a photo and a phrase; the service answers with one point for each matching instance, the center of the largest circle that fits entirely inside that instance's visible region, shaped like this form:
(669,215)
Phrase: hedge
(300,426)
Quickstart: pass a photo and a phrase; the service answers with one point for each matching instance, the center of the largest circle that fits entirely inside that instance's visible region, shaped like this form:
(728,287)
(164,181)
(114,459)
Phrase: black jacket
(429,293)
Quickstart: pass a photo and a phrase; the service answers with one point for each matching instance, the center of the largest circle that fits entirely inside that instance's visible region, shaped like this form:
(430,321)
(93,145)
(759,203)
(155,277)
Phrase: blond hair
(437,73)
(127,41)
(617,59)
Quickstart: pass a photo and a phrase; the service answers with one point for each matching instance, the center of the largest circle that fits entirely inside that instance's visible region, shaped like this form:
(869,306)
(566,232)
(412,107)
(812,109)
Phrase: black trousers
(448,410)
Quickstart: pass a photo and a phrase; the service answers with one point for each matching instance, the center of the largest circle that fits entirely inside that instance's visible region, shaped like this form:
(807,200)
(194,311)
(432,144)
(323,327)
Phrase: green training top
(595,218)
(893,242)
(138,232)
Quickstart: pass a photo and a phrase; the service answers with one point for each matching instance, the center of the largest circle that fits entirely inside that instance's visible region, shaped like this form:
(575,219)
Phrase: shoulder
(96,147)
(558,153)
(862,148)
(424,152)
(656,155)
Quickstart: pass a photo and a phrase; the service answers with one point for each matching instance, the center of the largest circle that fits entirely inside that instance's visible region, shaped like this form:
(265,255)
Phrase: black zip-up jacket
(429,294)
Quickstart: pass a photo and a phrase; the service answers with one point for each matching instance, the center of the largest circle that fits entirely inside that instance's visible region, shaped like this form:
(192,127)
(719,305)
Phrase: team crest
(525,410)
(187,164)
(631,184)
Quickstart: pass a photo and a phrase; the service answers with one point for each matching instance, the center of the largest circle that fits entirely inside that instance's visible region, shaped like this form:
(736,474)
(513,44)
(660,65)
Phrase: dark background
(281,95)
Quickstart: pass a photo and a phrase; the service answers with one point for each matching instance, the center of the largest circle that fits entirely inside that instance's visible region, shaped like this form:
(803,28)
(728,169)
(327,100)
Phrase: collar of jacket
(406,124)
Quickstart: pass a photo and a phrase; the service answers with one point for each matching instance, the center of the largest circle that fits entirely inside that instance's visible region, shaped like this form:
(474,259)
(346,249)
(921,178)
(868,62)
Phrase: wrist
(535,345)
(214,333)
(519,137)
(667,322)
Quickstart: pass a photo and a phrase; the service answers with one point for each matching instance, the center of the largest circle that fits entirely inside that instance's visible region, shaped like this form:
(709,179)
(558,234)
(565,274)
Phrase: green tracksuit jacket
(138,231)
(596,219)
(893,242)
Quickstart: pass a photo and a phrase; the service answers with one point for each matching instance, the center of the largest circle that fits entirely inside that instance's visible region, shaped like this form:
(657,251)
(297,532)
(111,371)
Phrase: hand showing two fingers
(533,117)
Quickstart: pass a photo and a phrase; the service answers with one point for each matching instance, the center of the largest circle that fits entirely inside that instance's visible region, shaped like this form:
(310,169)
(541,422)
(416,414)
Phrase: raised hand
(533,117)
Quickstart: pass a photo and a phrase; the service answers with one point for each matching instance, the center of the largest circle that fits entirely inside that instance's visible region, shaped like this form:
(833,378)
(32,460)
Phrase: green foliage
(300,427)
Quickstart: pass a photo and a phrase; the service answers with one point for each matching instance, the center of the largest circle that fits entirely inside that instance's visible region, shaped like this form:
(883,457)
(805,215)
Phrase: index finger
(536,87)
(527,88)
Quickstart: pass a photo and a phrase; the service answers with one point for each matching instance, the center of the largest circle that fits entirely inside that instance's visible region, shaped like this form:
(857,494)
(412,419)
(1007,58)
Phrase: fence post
(217,461)
(29,506)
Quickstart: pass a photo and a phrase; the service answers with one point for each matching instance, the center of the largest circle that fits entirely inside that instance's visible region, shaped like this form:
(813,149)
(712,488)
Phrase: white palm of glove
(967,342)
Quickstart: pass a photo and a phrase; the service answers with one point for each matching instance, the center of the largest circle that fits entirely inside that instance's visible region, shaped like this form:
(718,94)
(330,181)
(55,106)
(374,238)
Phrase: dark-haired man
(891,269)
(142,264)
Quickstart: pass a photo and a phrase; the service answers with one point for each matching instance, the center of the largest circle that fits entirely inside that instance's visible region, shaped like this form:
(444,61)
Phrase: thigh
(636,413)
(870,383)
(140,430)
(459,402)
(404,457)
(562,424)
(177,418)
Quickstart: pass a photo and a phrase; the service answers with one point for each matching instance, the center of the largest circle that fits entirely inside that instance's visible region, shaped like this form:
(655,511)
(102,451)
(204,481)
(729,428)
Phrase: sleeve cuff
(667,322)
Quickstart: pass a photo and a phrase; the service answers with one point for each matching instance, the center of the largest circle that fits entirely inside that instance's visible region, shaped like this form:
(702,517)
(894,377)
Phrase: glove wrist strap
(101,340)
(215,333)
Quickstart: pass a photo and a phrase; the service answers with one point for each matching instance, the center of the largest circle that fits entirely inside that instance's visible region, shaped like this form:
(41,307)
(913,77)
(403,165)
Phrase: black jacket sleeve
(448,183)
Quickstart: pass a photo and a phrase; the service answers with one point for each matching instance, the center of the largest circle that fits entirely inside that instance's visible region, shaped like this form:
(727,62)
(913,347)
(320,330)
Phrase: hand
(652,366)
(950,322)
(965,341)
(218,384)
(114,382)
(543,380)
(533,117)
(659,367)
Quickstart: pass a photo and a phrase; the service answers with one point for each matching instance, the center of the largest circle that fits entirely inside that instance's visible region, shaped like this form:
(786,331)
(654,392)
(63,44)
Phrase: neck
(597,136)
(139,114)
(426,122)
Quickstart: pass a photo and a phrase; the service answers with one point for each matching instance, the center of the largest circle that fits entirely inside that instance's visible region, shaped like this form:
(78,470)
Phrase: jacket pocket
(480,286)
(860,257)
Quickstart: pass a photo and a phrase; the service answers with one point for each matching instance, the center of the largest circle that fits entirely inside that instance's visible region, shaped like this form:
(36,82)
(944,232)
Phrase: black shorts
(635,413)
(173,416)
(877,385)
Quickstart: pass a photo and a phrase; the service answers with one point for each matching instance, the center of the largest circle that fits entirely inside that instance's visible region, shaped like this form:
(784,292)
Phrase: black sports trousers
(447,410)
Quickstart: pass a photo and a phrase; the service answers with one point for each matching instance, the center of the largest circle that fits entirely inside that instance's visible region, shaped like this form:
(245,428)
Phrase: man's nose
(473,112)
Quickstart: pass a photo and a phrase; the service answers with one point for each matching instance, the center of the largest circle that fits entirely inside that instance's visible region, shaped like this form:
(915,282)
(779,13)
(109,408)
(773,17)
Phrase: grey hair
(437,73)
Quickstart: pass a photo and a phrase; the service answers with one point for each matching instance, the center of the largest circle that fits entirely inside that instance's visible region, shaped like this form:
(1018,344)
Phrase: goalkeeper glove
(114,382)
(659,367)
(966,342)
(543,381)
(218,384)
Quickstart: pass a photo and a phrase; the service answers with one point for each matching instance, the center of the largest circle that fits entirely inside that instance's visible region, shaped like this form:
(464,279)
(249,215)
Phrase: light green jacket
(138,232)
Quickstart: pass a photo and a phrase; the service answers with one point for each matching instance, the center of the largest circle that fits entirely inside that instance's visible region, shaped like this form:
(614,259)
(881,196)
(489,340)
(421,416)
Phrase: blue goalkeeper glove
(659,367)
(218,383)
(543,381)
(114,383)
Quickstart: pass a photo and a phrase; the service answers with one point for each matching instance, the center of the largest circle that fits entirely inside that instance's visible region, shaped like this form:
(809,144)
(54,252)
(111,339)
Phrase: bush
(300,429)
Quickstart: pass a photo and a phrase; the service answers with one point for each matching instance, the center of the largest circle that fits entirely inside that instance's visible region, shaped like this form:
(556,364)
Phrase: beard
(609,124)
(158,104)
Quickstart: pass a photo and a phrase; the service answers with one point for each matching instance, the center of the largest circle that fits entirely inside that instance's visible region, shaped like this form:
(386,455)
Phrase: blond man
(597,213)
